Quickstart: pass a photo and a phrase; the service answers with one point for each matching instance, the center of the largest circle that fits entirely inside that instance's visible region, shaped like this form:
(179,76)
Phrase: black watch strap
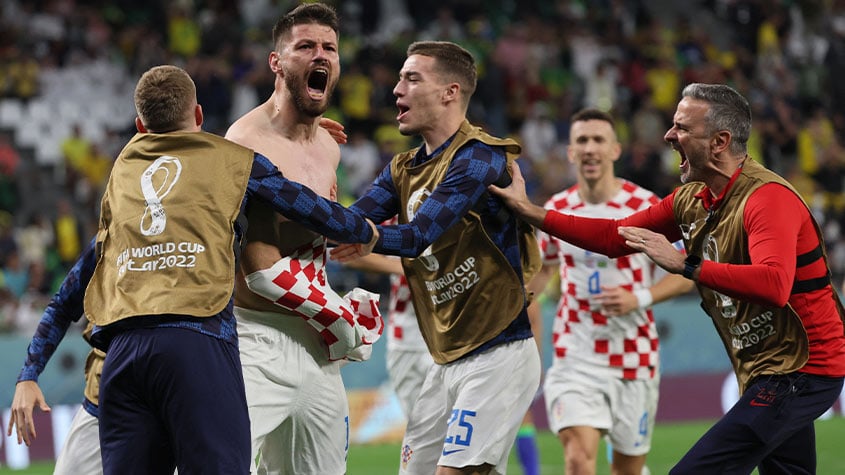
(690,264)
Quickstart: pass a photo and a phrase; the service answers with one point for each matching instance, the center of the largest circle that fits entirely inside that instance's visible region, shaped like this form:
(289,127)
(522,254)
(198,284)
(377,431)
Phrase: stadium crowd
(539,61)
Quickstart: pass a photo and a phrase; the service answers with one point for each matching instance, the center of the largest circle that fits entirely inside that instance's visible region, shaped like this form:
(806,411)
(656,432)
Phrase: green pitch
(670,442)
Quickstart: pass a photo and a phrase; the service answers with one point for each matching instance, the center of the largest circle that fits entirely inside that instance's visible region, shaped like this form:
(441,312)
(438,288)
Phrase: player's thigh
(133,439)
(493,390)
(407,371)
(426,428)
(81,450)
(576,397)
(633,408)
(314,439)
(203,403)
(272,371)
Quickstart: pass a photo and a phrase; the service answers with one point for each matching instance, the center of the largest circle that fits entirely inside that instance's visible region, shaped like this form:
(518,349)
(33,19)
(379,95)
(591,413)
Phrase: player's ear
(273,61)
(198,117)
(140,126)
(452,92)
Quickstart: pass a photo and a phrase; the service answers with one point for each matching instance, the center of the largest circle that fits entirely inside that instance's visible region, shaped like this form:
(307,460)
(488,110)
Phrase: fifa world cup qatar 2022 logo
(156,182)
(414,202)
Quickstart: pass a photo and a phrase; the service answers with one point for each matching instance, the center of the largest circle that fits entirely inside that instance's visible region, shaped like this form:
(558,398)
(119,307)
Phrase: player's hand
(515,193)
(655,246)
(616,301)
(350,252)
(28,396)
(334,128)
(516,198)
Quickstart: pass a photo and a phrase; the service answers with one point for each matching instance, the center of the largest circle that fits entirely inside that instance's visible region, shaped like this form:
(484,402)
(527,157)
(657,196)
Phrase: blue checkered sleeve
(473,168)
(299,203)
(64,308)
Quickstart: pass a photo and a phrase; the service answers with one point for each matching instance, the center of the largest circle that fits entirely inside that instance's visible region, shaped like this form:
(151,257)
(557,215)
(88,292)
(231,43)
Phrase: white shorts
(298,412)
(81,450)
(623,409)
(469,411)
(406,370)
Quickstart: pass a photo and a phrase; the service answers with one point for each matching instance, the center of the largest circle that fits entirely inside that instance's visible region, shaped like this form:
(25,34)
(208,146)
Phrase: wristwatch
(690,264)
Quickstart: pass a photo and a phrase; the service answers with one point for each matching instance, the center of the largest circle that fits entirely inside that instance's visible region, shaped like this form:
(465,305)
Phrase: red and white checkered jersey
(403,331)
(349,325)
(625,346)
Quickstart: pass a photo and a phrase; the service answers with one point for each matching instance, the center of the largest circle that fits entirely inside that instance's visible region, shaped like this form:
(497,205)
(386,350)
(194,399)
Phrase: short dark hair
(592,114)
(304,14)
(729,110)
(451,62)
(163,98)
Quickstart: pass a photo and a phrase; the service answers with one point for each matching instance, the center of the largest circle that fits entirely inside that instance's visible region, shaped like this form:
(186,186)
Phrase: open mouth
(681,154)
(317,82)
(402,110)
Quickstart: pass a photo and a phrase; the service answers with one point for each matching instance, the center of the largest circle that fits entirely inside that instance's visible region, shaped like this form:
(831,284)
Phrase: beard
(298,88)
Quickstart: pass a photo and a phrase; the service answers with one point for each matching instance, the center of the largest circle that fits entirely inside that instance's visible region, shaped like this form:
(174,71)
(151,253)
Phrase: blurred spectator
(246,71)
(9,161)
(355,91)
(7,236)
(390,142)
(22,72)
(93,174)
(68,243)
(15,274)
(600,90)
(538,134)
(821,157)
(183,32)
(383,102)
(144,47)
(75,148)
(834,63)
(360,161)
(444,27)
(34,239)
(664,82)
(212,79)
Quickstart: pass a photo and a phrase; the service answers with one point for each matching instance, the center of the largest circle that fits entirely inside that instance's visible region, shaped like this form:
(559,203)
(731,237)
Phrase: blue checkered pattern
(474,166)
(299,203)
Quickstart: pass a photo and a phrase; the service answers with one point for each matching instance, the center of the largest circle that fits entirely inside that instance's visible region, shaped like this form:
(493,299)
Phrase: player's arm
(772,218)
(669,287)
(617,301)
(64,308)
(301,204)
(541,279)
(377,263)
(594,234)
(465,183)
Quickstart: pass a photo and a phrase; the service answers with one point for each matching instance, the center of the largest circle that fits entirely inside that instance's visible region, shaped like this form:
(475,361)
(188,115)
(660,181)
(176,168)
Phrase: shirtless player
(299,414)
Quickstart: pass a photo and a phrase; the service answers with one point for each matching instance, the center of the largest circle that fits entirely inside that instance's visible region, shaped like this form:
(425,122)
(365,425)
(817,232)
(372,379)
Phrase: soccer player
(295,332)
(408,359)
(465,258)
(160,296)
(758,259)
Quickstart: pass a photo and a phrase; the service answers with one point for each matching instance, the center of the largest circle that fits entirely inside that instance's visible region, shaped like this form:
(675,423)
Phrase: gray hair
(729,110)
